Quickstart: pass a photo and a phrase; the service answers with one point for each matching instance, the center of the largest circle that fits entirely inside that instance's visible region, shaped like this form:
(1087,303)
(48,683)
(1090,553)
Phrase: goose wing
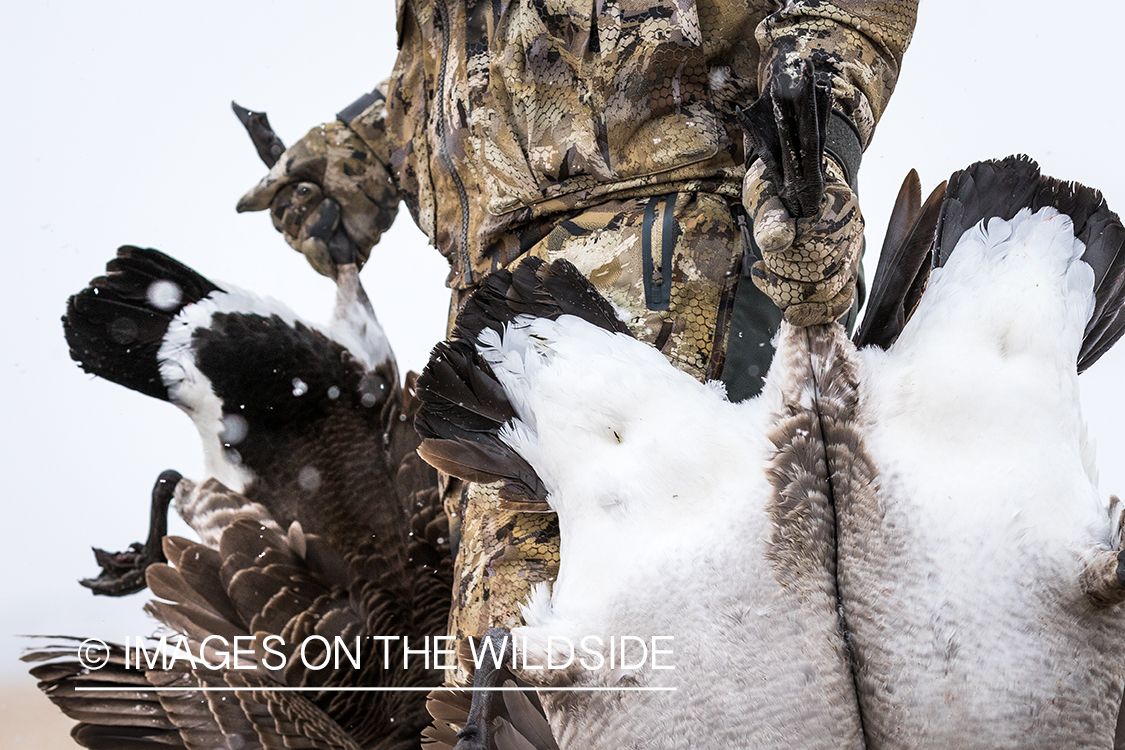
(274,592)
(904,264)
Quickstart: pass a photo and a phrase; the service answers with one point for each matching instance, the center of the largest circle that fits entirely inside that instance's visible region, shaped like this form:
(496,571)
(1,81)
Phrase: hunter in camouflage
(604,132)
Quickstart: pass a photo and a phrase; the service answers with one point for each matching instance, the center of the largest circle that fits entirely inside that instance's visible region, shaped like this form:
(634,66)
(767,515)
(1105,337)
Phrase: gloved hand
(328,177)
(810,265)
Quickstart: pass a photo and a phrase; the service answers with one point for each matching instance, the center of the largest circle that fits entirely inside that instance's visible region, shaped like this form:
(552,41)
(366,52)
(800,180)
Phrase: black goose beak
(267,143)
(123,572)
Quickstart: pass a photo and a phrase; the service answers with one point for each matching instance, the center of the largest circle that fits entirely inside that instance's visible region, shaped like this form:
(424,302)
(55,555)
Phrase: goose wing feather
(131,718)
(904,265)
(187,709)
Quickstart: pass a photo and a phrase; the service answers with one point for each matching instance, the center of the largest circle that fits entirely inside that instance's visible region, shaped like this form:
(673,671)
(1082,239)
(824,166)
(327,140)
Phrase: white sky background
(116,129)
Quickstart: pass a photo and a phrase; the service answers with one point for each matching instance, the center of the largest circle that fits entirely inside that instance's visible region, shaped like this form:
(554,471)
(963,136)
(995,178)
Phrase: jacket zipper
(443,144)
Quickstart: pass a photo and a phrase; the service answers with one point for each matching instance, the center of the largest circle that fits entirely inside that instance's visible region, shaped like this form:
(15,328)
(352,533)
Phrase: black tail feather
(572,294)
(116,325)
(1001,188)
(463,409)
(463,404)
(537,289)
(458,379)
(904,264)
(982,191)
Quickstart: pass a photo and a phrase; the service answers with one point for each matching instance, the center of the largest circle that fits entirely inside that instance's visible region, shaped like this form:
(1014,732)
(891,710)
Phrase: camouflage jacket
(504,117)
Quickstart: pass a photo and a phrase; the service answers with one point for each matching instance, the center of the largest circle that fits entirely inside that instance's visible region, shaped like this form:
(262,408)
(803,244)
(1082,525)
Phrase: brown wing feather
(130,717)
(188,710)
(904,265)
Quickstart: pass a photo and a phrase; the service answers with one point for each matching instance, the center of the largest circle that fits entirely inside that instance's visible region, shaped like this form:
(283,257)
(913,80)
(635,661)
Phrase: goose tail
(116,325)
(1001,189)
(467,421)
(539,290)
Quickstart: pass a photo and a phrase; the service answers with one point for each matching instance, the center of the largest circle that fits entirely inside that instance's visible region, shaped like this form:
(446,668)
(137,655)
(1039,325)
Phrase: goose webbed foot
(123,572)
(495,648)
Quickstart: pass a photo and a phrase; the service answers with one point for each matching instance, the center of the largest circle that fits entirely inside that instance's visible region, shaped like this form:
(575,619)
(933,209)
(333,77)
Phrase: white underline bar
(131,688)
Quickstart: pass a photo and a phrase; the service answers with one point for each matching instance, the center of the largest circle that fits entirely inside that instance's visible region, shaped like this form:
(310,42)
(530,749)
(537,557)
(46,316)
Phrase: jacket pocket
(576,94)
(657,107)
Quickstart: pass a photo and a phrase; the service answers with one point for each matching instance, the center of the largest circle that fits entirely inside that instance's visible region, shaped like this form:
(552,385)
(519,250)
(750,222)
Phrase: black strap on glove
(353,110)
(844,146)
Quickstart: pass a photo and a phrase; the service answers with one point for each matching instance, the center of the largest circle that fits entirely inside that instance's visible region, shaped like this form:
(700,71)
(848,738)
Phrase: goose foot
(476,734)
(123,572)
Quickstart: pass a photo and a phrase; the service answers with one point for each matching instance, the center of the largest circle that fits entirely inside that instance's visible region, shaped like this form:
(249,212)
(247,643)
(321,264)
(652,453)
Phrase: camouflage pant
(672,261)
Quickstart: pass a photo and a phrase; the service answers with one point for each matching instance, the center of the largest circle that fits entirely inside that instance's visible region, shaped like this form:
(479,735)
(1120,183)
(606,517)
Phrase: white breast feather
(987,477)
(354,327)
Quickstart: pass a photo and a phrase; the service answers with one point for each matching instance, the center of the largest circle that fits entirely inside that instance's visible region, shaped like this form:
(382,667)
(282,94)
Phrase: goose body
(942,491)
(974,575)
(668,506)
(317,520)
(663,539)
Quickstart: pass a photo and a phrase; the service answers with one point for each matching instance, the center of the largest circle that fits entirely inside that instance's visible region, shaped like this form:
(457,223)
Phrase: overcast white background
(116,129)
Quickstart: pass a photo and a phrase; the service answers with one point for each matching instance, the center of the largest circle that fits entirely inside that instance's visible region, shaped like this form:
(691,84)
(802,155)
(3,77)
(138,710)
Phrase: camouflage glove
(809,266)
(328,177)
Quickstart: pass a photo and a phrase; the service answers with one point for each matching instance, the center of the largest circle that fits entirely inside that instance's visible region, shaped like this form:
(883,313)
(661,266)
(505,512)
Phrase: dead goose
(299,421)
(359,547)
(977,567)
(979,575)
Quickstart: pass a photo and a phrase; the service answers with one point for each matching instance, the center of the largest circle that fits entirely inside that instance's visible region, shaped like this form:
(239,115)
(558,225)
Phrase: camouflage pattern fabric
(553,127)
(327,177)
(503,116)
(813,277)
(501,555)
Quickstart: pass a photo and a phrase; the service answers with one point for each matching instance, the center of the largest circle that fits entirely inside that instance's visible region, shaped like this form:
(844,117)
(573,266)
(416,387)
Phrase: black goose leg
(476,734)
(124,572)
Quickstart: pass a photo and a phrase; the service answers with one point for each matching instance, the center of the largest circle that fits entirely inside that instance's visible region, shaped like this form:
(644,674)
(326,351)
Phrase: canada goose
(298,421)
(318,519)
